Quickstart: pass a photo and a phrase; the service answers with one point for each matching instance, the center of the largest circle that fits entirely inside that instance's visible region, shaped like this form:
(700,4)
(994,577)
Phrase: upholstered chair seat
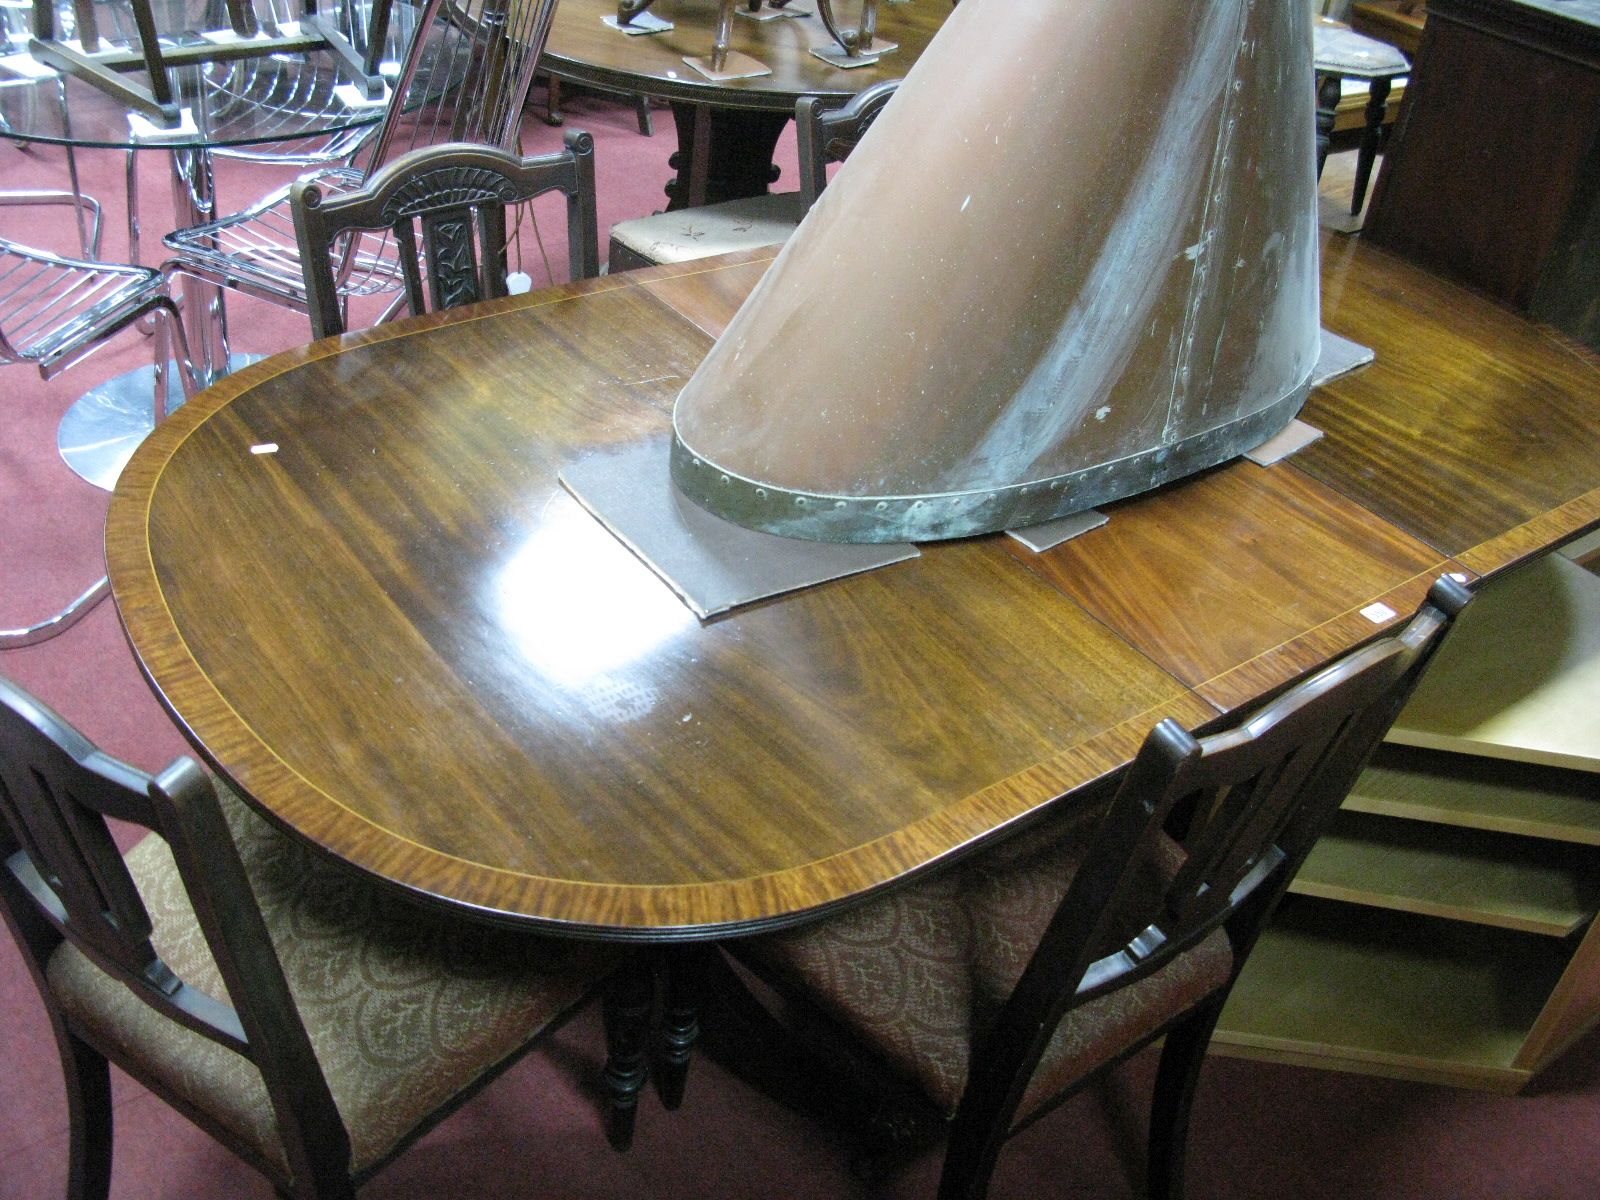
(921,973)
(406,1009)
(691,233)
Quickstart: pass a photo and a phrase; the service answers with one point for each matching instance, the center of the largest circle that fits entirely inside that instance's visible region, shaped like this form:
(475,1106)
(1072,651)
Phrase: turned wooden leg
(1371,137)
(1328,88)
(680,1021)
(552,103)
(626,1009)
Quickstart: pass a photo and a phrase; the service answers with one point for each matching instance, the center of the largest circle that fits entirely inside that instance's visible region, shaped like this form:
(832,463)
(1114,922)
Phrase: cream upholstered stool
(825,136)
(1344,58)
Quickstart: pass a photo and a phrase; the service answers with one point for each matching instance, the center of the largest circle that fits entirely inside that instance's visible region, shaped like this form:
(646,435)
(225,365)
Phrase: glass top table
(236,103)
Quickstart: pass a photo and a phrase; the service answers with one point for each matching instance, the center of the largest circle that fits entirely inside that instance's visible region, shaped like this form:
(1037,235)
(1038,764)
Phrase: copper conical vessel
(1074,258)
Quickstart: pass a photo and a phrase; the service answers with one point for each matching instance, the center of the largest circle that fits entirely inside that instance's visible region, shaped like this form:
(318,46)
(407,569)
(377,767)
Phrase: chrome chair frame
(54,312)
(441,94)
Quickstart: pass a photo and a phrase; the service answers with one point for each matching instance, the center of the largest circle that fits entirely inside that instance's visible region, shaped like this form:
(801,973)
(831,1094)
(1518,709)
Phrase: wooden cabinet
(1443,929)
(1492,175)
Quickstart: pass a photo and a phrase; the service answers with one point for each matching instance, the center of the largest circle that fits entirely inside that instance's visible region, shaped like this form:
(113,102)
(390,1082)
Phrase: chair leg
(1182,1056)
(626,1008)
(1371,138)
(43,631)
(1328,92)
(88,1081)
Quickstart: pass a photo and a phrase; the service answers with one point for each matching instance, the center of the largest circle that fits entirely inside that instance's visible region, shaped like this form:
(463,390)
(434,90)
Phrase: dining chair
(55,311)
(996,988)
(825,135)
(444,208)
(465,76)
(312,1023)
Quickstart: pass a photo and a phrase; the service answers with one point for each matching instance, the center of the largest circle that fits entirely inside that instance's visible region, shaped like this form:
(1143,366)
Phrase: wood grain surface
(1471,422)
(402,639)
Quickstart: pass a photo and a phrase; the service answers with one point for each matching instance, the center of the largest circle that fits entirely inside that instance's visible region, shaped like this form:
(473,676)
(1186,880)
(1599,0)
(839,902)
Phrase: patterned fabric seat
(405,1008)
(310,1020)
(922,973)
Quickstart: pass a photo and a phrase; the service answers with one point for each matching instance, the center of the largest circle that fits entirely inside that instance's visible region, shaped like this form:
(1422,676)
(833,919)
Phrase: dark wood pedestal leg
(1371,138)
(723,154)
(626,1008)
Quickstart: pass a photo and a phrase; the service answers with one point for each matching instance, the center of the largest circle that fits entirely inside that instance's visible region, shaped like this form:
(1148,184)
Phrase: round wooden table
(726,130)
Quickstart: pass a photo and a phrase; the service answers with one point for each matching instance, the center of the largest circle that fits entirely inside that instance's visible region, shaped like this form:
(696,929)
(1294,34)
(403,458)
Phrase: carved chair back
(827,135)
(1245,804)
(445,207)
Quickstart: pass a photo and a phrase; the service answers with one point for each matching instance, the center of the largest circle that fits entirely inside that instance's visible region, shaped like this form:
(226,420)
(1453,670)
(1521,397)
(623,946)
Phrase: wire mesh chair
(55,311)
(464,78)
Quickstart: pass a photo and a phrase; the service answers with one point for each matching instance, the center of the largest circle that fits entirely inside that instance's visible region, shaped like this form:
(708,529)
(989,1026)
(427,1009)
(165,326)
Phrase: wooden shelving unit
(1443,929)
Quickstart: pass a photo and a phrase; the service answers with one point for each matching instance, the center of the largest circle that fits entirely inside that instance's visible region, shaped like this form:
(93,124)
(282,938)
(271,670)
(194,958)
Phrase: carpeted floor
(1260,1131)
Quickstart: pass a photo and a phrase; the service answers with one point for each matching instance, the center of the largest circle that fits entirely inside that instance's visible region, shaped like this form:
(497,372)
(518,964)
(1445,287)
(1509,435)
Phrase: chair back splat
(445,207)
(1246,805)
(230,971)
(463,78)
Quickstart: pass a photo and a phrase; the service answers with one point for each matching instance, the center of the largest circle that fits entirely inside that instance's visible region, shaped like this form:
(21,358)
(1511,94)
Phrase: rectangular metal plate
(1339,357)
(645,22)
(834,56)
(733,65)
(771,14)
(1040,538)
(712,564)
(1294,436)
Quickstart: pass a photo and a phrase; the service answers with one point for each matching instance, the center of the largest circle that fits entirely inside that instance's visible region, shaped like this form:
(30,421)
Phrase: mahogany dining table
(350,573)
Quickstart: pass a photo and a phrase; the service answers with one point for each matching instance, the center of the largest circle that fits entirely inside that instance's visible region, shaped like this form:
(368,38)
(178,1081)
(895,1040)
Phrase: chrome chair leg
(43,631)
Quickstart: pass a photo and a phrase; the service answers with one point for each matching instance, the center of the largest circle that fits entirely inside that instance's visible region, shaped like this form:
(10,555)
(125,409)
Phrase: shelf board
(1476,793)
(1519,677)
(1459,874)
(1392,994)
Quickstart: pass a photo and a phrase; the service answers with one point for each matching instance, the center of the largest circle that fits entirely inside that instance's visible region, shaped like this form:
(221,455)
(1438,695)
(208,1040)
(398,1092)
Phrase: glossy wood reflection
(401,636)
(1471,422)
(404,640)
(1240,567)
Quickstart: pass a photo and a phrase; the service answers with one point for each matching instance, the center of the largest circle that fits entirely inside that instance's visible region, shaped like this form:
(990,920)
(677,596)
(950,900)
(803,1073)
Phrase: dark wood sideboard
(1492,176)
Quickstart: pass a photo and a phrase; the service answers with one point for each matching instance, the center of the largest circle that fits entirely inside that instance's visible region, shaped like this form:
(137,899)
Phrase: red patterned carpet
(1260,1131)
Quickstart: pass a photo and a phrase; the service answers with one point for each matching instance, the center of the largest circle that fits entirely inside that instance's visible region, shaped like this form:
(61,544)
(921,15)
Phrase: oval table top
(352,575)
(583,49)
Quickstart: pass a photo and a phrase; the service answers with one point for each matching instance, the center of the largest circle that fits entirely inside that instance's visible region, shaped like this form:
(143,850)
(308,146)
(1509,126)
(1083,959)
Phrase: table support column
(205,320)
(723,154)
